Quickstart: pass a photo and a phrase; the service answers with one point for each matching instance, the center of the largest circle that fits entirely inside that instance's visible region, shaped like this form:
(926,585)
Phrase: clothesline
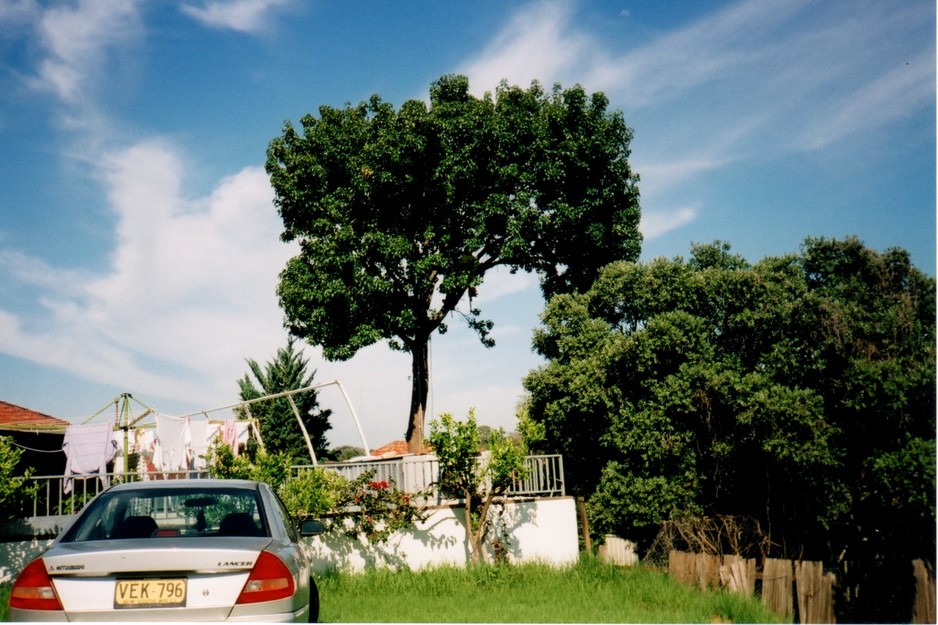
(173,447)
(169,445)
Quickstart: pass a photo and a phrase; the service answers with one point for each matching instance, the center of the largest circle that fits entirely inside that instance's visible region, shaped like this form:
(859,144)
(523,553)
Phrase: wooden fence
(784,582)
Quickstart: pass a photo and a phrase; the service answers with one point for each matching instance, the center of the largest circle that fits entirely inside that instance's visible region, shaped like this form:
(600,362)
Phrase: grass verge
(588,592)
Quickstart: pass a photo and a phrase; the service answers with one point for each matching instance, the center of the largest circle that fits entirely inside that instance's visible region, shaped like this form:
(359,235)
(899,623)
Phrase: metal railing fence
(51,498)
(544,477)
(543,474)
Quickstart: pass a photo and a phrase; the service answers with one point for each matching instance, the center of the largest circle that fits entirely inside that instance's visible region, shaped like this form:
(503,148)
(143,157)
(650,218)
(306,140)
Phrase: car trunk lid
(208,572)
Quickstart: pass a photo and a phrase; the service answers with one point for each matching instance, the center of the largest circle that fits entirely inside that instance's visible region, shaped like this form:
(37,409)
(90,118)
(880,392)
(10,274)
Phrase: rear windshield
(164,513)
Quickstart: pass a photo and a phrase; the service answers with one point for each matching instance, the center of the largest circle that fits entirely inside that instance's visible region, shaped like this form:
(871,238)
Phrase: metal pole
(358,424)
(299,420)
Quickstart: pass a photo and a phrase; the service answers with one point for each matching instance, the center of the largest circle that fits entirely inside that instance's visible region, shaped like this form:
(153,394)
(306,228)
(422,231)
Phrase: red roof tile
(395,449)
(20,418)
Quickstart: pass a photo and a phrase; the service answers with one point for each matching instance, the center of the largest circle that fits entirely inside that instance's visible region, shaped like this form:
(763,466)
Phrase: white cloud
(246,16)
(77,39)
(704,52)
(538,43)
(190,291)
(654,224)
(891,95)
(756,80)
(500,283)
(23,268)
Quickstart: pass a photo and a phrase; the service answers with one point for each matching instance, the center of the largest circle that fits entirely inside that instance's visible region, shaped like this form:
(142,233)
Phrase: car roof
(199,484)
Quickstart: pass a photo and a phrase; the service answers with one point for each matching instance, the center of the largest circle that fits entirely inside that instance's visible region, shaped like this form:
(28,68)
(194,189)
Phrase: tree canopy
(798,392)
(400,213)
(278,423)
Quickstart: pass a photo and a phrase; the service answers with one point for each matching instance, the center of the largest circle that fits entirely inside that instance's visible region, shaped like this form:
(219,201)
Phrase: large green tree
(399,214)
(798,392)
(280,429)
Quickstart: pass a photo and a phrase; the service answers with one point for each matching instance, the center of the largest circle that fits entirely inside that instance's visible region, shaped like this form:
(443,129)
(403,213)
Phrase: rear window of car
(171,512)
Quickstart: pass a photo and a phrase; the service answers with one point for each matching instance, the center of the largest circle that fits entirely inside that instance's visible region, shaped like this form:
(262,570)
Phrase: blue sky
(139,248)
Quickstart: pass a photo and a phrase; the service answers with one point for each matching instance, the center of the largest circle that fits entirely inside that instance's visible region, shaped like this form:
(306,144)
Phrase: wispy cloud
(77,38)
(246,16)
(18,11)
(889,96)
(659,222)
(757,79)
(538,43)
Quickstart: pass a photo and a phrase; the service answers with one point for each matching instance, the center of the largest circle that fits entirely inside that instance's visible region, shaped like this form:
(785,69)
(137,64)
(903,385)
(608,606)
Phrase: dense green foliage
(588,592)
(399,214)
(280,429)
(478,480)
(15,485)
(798,392)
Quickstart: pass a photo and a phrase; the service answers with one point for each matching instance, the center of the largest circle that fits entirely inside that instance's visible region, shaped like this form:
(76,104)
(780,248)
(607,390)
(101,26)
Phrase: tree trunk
(470,534)
(420,377)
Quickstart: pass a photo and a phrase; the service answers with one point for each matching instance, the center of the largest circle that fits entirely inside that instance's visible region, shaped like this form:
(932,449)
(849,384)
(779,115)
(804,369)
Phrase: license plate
(150,593)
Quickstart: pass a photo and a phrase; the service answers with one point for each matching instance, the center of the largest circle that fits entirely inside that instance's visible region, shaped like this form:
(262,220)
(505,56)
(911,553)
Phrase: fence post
(738,574)
(776,587)
(923,611)
(585,524)
(815,593)
(708,570)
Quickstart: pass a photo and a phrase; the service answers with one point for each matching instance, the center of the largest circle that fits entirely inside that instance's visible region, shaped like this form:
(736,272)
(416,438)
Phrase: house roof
(13,417)
(395,449)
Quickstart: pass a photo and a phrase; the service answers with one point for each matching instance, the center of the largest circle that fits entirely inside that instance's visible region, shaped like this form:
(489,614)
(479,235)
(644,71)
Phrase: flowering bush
(361,507)
(375,508)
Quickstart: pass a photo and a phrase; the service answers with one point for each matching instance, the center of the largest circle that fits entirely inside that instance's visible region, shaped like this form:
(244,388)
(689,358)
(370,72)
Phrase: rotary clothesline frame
(125,421)
(246,405)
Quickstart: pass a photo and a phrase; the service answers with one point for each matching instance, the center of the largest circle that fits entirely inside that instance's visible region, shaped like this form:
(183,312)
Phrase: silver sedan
(174,550)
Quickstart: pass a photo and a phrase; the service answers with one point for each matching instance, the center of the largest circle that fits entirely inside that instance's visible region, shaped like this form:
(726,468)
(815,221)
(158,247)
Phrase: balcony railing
(412,474)
(51,498)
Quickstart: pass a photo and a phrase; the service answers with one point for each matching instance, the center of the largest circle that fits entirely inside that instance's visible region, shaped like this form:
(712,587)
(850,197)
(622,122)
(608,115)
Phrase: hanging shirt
(88,449)
(229,436)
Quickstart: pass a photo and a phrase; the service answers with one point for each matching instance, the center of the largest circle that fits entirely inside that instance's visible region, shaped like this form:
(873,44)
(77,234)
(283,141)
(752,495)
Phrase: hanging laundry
(147,446)
(201,433)
(229,435)
(88,449)
(174,437)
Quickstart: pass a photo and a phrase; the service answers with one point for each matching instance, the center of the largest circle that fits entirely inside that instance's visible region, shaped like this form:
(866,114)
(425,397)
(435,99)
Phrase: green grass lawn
(589,592)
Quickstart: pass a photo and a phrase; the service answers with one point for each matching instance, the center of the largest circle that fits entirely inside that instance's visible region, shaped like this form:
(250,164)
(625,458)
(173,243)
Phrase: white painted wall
(540,530)
(16,555)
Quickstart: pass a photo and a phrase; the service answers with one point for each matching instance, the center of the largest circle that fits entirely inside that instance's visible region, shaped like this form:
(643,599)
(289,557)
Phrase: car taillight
(269,579)
(33,589)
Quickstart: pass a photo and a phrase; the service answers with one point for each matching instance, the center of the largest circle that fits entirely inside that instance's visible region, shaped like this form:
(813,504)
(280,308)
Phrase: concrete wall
(538,530)
(541,530)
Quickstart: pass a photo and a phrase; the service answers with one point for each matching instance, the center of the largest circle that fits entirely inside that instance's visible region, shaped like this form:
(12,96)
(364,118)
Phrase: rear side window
(286,518)
(165,513)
